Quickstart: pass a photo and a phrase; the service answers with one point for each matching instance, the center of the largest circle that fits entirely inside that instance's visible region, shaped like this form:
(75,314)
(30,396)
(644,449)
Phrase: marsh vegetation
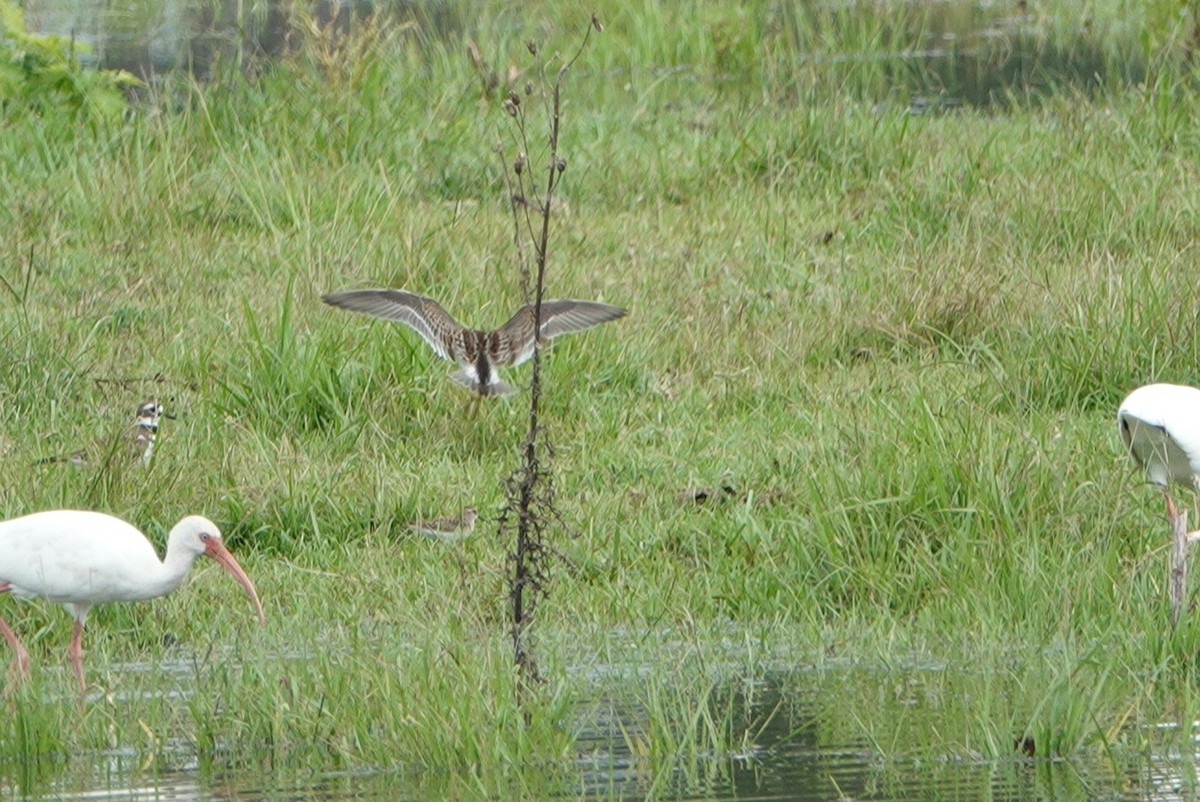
(854,443)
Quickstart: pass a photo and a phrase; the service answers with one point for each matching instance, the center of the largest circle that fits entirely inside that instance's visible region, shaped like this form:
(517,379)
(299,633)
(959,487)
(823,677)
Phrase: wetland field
(840,506)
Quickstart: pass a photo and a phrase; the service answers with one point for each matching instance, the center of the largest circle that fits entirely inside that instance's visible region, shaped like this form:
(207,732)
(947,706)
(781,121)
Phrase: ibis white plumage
(1160,424)
(80,558)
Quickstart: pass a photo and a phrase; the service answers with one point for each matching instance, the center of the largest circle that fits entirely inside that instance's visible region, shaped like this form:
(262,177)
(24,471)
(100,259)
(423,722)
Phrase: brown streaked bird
(478,353)
(138,438)
(447,530)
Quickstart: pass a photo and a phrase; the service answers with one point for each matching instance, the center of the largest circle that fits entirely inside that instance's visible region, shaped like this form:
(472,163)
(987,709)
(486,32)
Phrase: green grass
(901,339)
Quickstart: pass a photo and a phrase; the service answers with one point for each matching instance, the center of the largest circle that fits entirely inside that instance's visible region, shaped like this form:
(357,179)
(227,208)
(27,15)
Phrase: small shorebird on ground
(478,353)
(138,438)
(77,458)
(144,432)
(447,530)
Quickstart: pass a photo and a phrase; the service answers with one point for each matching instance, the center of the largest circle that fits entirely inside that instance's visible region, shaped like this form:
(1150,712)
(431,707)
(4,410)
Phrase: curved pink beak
(216,549)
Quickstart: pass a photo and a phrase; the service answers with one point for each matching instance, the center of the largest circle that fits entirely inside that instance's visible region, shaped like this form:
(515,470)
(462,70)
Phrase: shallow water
(946,54)
(797,735)
(791,750)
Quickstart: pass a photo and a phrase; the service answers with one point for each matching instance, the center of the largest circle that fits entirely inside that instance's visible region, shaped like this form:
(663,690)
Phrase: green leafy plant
(42,74)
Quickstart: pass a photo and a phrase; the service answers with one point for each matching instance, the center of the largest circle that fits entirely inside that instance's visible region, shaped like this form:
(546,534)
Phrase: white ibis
(79,559)
(1160,424)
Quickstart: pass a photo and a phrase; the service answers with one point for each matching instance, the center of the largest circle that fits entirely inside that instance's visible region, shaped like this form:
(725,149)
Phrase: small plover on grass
(144,432)
(447,530)
(478,353)
(138,439)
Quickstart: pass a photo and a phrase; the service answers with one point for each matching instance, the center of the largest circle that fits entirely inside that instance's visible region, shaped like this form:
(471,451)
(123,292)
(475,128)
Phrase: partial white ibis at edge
(80,559)
(1160,424)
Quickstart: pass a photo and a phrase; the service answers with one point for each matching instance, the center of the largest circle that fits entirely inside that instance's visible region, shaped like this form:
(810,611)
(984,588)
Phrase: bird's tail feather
(469,379)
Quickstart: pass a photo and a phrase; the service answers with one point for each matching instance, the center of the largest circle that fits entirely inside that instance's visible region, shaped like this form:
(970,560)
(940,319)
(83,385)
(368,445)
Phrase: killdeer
(138,438)
(144,431)
(447,530)
(478,353)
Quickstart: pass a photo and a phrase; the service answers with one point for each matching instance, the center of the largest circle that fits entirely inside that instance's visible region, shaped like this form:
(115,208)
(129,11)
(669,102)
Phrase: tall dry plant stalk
(529,490)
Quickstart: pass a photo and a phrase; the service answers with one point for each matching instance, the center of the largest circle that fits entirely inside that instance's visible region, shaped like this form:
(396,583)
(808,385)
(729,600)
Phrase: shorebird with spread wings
(478,353)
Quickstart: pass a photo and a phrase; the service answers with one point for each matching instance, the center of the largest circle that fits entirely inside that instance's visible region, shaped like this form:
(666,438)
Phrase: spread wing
(566,317)
(558,317)
(424,315)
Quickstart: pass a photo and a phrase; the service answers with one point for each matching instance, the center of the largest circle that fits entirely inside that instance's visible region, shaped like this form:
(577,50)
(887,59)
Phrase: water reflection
(942,55)
(189,787)
(800,735)
(152,38)
(938,56)
(796,734)
(785,752)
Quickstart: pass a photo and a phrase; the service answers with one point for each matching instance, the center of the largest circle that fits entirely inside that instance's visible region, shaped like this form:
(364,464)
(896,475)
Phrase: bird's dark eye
(205,537)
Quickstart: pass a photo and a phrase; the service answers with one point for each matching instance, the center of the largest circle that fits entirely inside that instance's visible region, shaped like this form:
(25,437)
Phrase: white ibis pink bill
(1160,424)
(79,559)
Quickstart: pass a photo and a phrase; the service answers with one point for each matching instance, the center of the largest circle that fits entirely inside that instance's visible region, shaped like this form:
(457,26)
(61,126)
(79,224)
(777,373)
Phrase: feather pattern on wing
(568,317)
(423,315)
(558,317)
(477,352)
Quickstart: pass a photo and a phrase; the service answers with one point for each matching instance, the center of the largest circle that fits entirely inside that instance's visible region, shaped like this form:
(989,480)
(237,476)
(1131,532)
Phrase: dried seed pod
(560,165)
(596,23)
(532,46)
(519,164)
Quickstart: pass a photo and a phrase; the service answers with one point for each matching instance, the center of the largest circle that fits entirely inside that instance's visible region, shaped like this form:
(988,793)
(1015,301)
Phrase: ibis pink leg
(21,661)
(1172,512)
(20,666)
(75,652)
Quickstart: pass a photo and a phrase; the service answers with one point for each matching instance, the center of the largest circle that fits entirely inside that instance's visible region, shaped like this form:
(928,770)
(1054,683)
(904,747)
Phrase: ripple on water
(797,734)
